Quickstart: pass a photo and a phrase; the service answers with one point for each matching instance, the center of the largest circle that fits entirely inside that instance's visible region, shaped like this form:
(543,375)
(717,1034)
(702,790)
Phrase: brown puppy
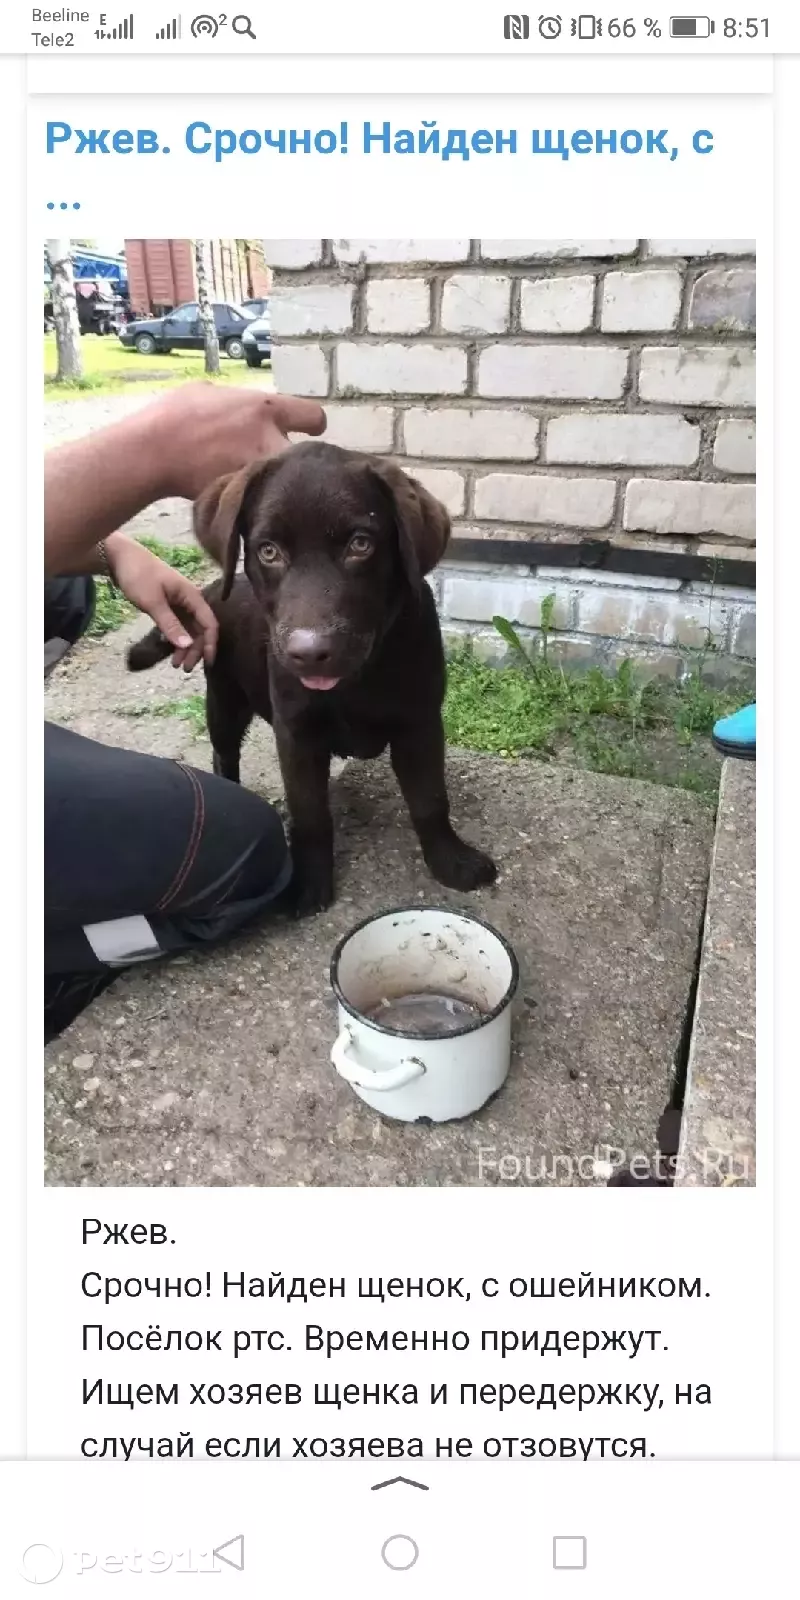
(332,636)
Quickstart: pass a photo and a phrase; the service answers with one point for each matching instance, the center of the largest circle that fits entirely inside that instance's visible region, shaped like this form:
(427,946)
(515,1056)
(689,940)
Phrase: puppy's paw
(310,897)
(311,889)
(459,865)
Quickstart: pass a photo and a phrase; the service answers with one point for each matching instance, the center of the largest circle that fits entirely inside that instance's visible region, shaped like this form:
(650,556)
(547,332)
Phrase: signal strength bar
(171,30)
(123,30)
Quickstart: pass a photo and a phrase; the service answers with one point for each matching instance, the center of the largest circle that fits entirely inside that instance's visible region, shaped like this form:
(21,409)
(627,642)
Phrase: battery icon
(690,27)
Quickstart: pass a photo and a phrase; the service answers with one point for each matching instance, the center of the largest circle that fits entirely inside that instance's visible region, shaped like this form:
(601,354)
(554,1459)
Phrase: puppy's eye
(268,554)
(361,545)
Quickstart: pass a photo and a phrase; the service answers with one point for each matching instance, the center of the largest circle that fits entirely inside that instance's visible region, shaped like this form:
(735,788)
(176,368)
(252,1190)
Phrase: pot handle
(362,1077)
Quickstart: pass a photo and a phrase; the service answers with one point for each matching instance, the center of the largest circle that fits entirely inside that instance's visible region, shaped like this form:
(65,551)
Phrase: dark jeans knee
(68,608)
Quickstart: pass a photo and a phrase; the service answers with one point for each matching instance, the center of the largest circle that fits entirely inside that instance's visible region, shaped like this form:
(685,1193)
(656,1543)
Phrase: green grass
(110,369)
(112,609)
(612,723)
(185,558)
(191,709)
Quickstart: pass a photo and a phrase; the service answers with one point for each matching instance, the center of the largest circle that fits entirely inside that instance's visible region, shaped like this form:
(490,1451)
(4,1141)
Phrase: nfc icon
(516,26)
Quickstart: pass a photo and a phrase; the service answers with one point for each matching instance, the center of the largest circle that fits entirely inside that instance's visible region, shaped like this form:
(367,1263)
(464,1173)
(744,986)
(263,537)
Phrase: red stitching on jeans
(194,839)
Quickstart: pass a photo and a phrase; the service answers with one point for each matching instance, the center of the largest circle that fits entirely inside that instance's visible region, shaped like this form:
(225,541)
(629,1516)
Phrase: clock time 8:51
(746,27)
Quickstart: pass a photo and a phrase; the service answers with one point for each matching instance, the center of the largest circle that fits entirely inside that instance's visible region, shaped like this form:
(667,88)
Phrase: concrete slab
(92,692)
(718,1133)
(214,1070)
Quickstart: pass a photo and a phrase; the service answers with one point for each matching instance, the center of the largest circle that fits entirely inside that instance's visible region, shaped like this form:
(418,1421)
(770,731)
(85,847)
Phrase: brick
(611,580)
(485,643)
(398,305)
(727,552)
(519,600)
(696,248)
(476,303)
(641,302)
(720,591)
(557,305)
(553,372)
(360,427)
(724,299)
(600,440)
(735,445)
(649,661)
(292,253)
(554,249)
(565,502)
(483,434)
(655,506)
(446,485)
(575,654)
(664,619)
(300,369)
(743,642)
(699,375)
(389,252)
(311,308)
(416,369)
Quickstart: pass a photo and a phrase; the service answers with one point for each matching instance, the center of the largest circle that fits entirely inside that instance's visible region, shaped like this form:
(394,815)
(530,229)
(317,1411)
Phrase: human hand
(199,432)
(157,589)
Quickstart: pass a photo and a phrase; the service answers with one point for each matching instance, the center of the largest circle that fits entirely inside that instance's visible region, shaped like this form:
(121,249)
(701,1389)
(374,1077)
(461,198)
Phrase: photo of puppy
(331,635)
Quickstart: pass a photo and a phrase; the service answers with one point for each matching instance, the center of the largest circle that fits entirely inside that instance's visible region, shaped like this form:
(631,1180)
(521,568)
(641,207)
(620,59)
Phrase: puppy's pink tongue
(319,683)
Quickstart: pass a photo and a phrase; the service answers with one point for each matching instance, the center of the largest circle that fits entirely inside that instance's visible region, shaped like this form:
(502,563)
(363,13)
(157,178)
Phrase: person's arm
(174,447)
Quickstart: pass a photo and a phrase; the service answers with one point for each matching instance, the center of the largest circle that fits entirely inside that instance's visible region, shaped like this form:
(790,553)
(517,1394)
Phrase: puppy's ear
(423,525)
(219,516)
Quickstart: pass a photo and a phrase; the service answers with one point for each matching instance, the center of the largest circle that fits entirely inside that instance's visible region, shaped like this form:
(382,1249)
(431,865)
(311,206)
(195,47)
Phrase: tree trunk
(210,340)
(65,311)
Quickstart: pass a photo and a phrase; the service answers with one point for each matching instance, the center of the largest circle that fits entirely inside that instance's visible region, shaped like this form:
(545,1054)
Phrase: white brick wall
(287,253)
(529,497)
(653,506)
(447,486)
(544,390)
(557,305)
(696,248)
(317,308)
(552,372)
(398,305)
(476,303)
(477,434)
(554,249)
(641,302)
(699,375)
(366,427)
(735,446)
(390,251)
(584,437)
(401,369)
(300,369)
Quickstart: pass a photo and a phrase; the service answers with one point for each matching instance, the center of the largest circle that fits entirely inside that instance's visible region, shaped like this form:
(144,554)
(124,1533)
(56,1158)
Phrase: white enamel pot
(413,950)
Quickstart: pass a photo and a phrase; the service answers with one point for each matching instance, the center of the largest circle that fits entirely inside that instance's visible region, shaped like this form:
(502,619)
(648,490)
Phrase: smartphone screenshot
(394,865)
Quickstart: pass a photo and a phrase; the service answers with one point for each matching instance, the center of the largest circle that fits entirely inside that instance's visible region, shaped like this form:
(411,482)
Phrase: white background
(478,1532)
(721,1338)
(727,1235)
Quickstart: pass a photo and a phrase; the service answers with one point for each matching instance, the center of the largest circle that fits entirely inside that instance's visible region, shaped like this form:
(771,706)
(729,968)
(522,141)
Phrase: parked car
(182,329)
(257,341)
(256,308)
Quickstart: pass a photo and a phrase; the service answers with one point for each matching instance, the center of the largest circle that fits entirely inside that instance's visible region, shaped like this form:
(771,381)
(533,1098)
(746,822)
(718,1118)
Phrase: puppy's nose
(308,648)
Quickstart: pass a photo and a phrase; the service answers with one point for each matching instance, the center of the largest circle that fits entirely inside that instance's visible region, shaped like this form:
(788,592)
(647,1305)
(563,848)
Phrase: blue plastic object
(736,735)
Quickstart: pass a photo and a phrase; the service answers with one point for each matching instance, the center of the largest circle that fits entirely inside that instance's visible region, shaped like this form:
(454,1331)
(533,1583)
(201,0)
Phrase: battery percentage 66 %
(590,27)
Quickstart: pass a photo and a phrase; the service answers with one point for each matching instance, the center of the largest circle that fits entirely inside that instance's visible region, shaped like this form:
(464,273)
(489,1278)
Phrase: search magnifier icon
(243,24)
